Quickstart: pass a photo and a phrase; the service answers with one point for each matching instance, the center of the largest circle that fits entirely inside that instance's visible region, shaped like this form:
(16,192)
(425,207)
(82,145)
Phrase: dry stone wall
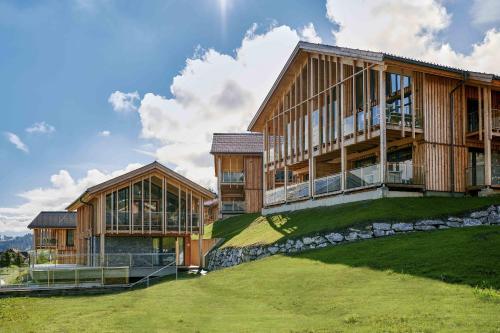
(231,256)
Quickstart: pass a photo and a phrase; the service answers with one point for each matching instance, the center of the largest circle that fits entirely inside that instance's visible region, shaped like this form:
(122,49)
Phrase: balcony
(232,177)
(405,173)
(328,184)
(275,196)
(362,177)
(297,191)
(233,207)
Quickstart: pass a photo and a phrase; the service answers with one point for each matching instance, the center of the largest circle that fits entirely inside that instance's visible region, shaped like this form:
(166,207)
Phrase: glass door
(475,170)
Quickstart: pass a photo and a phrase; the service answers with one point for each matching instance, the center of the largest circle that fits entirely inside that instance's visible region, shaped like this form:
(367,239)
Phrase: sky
(92,89)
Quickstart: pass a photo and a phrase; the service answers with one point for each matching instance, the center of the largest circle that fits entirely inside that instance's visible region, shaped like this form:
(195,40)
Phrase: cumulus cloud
(16,141)
(124,102)
(214,92)
(408,28)
(308,34)
(104,133)
(41,127)
(485,11)
(63,190)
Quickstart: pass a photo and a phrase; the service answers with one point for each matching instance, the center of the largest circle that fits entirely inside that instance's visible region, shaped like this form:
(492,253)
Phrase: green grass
(252,229)
(446,281)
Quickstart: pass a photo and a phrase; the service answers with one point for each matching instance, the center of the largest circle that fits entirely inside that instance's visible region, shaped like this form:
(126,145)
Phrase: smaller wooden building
(238,168)
(54,232)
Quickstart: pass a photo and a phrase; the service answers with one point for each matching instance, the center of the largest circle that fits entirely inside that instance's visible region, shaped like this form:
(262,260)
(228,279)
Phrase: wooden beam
(383,139)
(343,157)
(487,137)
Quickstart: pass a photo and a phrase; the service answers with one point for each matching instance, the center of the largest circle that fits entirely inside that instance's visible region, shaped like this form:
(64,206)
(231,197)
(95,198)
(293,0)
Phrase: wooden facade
(152,202)
(238,169)
(60,241)
(339,120)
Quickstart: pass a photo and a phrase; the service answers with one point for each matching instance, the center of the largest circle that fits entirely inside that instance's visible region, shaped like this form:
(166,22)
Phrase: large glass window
(315,128)
(396,113)
(172,207)
(156,206)
(183,210)
(196,213)
(109,211)
(70,238)
(123,209)
(289,138)
(137,207)
(325,123)
(306,133)
(147,204)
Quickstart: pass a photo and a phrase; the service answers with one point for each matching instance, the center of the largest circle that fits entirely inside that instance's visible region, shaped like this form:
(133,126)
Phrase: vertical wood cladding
(253,183)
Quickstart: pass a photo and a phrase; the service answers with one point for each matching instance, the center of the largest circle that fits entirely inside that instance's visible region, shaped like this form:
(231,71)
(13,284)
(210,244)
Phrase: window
(109,211)
(396,113)
(123,209)
(325,123)
(183,210)
(315,128)
(472,115)
(70,238)
(365,162)
(334,123)
(400,155)
(359,90)
(306,133)
(172,207)
(137,207)
(155,205)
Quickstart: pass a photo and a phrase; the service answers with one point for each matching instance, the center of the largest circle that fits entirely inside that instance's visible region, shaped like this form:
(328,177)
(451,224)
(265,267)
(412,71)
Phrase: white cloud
(62,191)
(16,141)
(104,133)
(124,102)
(308,33)
(41,127)
(485,11)
(408,28)
(215,92)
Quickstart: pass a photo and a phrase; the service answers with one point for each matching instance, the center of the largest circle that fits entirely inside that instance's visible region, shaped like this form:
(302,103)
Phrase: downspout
(452,130)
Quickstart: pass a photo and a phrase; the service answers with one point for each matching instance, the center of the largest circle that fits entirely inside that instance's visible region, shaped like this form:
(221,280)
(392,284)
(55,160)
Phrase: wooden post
(354,106)
(413,105)
(487,138)
(402,104)
(343,156)
(480,112)
(310,106)
(383,142)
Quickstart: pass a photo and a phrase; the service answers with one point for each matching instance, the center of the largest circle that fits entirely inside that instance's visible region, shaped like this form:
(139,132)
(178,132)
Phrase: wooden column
(487,137)
(383,139)
(310,106)
(265,166)
(354,106)
(102,243)
(343,155)
(401,106)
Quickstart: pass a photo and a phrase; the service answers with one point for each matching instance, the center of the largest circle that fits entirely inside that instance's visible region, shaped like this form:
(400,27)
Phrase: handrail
(147,277)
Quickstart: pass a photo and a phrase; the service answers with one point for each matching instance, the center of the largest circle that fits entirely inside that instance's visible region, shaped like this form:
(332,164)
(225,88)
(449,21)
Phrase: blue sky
(61,60)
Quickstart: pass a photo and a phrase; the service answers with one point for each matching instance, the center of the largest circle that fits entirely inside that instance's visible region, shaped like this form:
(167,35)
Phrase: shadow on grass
(459,256)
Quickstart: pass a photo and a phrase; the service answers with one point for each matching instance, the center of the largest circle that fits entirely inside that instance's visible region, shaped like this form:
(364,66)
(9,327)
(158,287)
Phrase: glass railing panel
(233,177)
(365,176)
(349,125)
(404,173)
(274,196)
(360,120)
(298,191)
(327,184)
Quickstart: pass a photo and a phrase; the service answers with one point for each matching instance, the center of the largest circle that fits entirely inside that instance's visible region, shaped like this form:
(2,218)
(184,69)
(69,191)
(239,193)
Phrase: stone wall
(230,256)
(126,245)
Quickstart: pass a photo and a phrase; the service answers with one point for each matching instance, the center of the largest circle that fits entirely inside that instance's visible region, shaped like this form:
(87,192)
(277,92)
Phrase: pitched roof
(360,54)
(134,173)
(58,220)
(237,143)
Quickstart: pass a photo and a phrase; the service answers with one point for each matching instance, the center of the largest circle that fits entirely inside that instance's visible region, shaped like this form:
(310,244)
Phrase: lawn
(420,282)
(252,229)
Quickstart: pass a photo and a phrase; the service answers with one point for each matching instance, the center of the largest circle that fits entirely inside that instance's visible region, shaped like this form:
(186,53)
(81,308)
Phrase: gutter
(465,76)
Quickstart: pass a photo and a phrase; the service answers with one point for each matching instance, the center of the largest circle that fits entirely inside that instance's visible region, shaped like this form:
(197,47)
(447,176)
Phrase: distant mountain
(23,243)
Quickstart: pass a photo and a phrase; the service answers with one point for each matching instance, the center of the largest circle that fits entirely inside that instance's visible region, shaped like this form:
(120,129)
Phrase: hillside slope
(250,229)
(421,282)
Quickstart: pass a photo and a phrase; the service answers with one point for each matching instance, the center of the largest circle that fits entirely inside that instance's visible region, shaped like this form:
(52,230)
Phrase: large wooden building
(54,232)
(341,124)
(150,210)
(238,168)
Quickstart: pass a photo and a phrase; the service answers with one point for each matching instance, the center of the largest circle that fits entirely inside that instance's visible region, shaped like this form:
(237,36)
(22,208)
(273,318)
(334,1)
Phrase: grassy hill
(446,281)
(251,229)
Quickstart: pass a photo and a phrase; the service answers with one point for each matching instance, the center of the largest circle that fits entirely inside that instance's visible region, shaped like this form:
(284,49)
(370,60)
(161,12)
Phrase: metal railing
(298,191)
(405,173)
(365,176)
(147,278)
(274,196)
(475,176)
(233,206)
(327,184)
(229,177)
(78,276)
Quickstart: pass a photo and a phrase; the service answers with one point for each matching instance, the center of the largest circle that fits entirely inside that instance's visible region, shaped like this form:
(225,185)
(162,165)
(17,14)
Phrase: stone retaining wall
(231,256)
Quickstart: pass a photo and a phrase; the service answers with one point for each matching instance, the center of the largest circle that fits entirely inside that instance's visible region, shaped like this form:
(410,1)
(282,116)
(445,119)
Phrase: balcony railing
(233,206)
(274,196)
(349,125)
(233,177)
(405,173)
(365,176)
(327,184)
(475,176)
(297,191)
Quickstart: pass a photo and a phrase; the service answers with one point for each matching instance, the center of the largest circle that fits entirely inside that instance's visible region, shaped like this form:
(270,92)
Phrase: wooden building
(238,168)
(150,210)
(341,124)
(54,232)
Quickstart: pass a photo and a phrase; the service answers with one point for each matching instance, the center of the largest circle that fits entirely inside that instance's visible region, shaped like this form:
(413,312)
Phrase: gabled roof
(371,56)
(57,220)
(237,143)
(137,172)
